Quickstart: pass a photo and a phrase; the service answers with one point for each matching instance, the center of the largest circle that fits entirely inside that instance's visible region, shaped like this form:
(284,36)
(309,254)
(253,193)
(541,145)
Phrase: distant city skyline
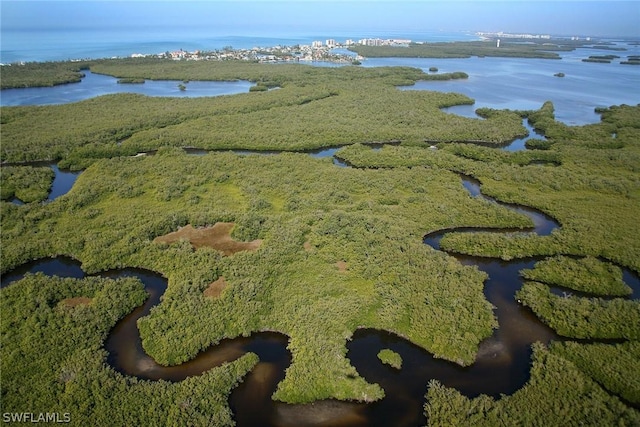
(568,18)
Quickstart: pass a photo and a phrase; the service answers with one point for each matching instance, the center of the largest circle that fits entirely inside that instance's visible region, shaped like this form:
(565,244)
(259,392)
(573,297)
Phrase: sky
(593,18)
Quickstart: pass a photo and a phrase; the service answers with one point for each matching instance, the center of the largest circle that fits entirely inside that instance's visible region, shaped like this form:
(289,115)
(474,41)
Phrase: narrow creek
(517,144)
(65,179)
(502,364)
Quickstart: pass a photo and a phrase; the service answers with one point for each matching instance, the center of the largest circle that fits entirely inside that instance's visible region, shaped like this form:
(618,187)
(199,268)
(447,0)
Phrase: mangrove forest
(251,235)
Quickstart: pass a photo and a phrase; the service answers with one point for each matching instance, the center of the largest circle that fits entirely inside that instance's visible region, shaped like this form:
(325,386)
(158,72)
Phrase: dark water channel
(501,367)
(517,144)
(64,179)
(62,182)
(327,152)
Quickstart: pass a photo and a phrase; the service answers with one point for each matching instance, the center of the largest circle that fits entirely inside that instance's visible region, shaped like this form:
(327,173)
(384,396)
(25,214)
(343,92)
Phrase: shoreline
(217,44)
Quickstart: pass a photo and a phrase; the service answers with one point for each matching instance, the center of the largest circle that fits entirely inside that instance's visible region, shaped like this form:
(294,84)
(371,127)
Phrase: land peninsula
(311,217)
(521,46)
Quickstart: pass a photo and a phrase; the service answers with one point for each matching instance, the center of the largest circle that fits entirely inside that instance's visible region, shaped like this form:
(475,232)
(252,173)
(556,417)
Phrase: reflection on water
(323,413)
(59,266)
(63,181)
(501,366)
(517,144)
(93,85)
(525,84)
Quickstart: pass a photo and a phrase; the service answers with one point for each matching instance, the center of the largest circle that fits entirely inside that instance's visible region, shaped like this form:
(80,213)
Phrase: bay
(500,83)
(523,83)
(93,85)
(28,44)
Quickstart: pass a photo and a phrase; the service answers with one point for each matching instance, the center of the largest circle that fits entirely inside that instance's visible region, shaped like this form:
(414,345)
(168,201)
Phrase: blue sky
(595,18)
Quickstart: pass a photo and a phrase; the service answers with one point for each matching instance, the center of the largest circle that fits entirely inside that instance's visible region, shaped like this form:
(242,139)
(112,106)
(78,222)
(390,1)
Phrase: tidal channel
(501,367)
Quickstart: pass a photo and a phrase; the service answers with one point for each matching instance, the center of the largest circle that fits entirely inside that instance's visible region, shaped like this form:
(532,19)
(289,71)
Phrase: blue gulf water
(513,83)
(519,83)
(67,44)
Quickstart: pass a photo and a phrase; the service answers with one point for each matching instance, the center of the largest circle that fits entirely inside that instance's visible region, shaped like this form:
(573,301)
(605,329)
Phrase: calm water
(518,144)
(516,83)
(501,367)
(42,44)
(93,85)
(503,360)
(62,182)
(501,83)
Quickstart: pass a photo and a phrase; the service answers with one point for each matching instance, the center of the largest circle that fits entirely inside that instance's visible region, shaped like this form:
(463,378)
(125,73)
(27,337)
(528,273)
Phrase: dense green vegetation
(462,50)
(342,247)
(578,317)
(131,81)
(597,60)
(53,360)
(612,366)
(26,183)
(593,194)
(32,74)
(558,394)
(294,117)
(390,358)
(138,70)
(586,275)
(371,220)
(537,144)
(632,60)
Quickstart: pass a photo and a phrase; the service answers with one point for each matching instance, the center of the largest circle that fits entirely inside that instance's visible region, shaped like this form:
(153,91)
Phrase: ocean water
(47,44)
(513,83)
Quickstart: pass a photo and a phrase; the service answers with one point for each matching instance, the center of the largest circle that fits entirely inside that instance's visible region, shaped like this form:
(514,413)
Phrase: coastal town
(325,51)
(328,50)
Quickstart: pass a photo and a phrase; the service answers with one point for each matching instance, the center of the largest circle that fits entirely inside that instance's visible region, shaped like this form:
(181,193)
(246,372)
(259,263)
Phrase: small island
(391,358)
(632,60)
(601,59)
(130,81)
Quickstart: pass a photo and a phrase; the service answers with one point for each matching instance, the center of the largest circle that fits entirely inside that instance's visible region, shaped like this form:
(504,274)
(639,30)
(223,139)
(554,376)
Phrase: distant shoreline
(308,48)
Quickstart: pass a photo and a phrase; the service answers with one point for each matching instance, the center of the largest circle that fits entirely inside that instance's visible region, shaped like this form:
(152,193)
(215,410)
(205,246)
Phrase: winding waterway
(501,367)
(518,144)
(63,181)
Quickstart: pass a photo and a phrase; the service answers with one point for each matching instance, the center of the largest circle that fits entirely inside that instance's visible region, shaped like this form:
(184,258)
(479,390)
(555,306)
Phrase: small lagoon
(93,85)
